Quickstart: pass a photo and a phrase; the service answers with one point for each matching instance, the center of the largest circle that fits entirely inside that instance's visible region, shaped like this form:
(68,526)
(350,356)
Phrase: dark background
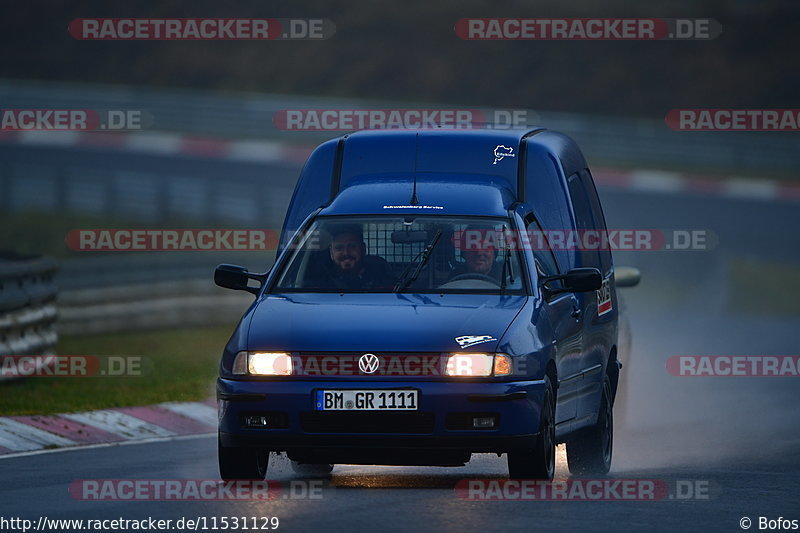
(409,51)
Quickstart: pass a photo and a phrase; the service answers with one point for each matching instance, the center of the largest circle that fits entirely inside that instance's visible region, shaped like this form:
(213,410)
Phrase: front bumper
(515,405)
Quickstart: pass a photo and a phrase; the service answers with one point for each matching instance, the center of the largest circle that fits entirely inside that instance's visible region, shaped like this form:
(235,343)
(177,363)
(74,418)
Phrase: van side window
(583,218)
(597,215)
(545,260)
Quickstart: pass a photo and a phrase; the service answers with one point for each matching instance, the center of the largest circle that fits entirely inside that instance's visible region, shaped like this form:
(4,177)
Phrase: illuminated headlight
(262,364)
(478,365)
(502,365)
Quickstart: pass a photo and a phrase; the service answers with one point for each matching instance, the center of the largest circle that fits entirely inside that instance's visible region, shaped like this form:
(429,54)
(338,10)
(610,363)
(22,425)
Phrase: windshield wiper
(507,266)
(422,257)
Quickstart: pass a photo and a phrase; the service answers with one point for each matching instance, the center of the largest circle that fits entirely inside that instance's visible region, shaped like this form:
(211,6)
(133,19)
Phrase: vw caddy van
(415,316)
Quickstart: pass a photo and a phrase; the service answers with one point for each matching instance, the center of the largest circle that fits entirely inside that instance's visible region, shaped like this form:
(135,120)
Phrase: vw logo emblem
(368,363)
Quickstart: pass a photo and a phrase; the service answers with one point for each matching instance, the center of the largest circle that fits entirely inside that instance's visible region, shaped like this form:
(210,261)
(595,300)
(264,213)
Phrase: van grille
(409,365)
(367,422)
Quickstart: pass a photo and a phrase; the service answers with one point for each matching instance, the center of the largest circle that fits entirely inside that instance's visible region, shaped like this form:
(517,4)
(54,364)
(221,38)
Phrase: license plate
(366,400)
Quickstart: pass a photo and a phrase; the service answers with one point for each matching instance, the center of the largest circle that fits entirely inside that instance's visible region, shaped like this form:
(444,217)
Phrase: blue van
(407,320)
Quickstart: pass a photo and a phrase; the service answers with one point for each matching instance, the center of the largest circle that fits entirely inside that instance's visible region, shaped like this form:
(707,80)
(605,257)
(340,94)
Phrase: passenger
(350,267)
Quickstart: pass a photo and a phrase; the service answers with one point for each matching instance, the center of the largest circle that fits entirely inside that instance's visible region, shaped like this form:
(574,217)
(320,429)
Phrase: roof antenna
(414,199)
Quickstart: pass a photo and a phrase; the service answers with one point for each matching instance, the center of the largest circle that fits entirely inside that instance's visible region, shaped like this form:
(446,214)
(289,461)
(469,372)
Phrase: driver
(479,253)
(480,261)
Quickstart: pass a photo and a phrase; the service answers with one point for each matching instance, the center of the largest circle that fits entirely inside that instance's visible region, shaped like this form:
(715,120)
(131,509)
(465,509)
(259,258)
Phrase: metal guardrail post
(28,310)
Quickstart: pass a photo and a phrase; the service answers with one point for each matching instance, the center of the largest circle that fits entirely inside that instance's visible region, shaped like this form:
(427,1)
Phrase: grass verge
(760,287)
(183,363)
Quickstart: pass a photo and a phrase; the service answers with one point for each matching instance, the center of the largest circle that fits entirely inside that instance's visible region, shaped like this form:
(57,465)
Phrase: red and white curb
(662,182)
(263,151)
(156,143)
(20,434)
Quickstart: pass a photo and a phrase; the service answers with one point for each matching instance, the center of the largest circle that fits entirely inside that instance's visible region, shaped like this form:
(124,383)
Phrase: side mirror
(576,280)
(627,276)
(236,278)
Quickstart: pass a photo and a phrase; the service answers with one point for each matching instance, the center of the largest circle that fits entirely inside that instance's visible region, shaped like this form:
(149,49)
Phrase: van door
(596,318)
(560,312)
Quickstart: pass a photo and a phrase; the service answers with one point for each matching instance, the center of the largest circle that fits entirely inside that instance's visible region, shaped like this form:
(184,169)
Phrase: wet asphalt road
(362,498)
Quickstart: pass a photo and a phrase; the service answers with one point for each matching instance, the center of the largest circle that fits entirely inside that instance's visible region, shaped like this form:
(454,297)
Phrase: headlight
(262,364)
(502,365)
(478,365)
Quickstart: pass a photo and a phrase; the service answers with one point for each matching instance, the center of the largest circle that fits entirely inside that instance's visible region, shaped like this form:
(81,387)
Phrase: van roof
(464,171)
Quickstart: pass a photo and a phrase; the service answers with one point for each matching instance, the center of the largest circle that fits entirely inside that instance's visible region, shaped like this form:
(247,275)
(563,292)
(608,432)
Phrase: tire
(590,450)
(622,407)
(539,462)
(242,463)
(305,469)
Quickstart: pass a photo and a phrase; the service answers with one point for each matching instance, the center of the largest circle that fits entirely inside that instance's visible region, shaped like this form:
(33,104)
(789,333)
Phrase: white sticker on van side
(471,340)
(603,298)
(501,152)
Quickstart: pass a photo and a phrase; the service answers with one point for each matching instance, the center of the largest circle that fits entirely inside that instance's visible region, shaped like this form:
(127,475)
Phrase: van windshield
(435,254)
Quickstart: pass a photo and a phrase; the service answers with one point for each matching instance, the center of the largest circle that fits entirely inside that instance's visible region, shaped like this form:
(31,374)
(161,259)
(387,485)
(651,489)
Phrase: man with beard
(350,267)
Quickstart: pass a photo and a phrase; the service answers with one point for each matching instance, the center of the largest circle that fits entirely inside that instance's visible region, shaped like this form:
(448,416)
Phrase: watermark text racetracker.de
(587,29)
(195,490)
(115,240)
(734,365)
(786,120)
(74,366)
(606,489)
(585,240)
(200,29)
(118,240)
(74,119)
(359,119)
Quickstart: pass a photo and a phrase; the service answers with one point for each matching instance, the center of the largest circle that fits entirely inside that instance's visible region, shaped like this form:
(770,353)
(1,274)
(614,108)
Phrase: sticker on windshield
(603,299)
(471,340)
(413,207)
(501,152)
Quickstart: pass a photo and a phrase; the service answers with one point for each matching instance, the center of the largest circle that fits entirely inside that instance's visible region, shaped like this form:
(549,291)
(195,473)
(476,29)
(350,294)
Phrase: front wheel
(539,462)
(589,452)
(242,463)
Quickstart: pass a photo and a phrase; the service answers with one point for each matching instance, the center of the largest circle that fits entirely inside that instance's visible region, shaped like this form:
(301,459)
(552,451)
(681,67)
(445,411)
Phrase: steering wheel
(474,275)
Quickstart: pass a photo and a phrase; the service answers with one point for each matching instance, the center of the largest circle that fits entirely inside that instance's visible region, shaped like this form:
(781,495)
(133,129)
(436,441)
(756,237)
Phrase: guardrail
(132,292)
(625,141)
(144,187)
(108,295)
(28,310)
(141,306)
